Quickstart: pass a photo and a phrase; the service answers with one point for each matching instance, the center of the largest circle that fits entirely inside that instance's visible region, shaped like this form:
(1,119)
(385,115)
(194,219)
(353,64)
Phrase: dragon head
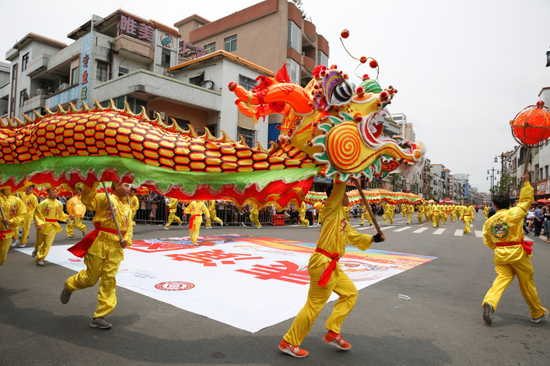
(333,122)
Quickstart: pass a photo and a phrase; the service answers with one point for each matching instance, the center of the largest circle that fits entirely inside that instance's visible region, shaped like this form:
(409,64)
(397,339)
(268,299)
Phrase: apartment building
(129,59)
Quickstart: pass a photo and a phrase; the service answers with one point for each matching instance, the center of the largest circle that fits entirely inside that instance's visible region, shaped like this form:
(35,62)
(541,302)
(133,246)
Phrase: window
(249,135)
(183,123)
(123,71)
(24,62)
(22,97)
(230,43)
(209,48)
(197,79)
(102,73)
(75,76)
(165,58)
(293,70)
(546,172)
(294,38)
(322,59)
(247,83)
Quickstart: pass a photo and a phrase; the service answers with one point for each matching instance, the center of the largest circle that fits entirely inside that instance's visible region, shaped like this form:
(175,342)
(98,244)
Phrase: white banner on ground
(247,282)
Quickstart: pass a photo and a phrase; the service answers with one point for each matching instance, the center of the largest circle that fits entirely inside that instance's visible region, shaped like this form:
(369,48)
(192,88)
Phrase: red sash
(81,248)
(51,220)
(192,220)
(3,234)
(527,245)
(331,267)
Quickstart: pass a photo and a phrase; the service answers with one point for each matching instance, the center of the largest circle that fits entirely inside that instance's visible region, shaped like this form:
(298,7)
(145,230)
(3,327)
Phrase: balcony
(38,65)
(310,31)
(35,102)
(130,46)
(61,97)
(308,63)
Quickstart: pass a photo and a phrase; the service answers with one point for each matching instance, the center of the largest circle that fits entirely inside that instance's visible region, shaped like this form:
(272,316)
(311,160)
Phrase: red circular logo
(174,286)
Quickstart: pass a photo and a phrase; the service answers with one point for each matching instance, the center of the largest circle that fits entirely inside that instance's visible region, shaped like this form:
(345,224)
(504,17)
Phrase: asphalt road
(441,325)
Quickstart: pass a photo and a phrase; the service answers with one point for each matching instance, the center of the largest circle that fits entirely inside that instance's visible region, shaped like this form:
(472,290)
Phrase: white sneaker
(21,245)
(13,241)
(540,318)
(221,223)
(165,228)
(16,242)
(259,227)
(40,262)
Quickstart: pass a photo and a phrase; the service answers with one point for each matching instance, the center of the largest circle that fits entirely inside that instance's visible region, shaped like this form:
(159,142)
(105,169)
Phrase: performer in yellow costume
(105,249)
(319,206)
(14,210)
(486,210)
(134,204)
(419,212)
(172,208)
(365,215)
(213,216)
(468,216)
(435,215)
(428,212)
(389,211)
(409,212)
(327,277)
(46,215)
(196,209)
(76,211)
(443,212)
(503,232)
(30,201)
(302,211)
(452,215)
(254,214)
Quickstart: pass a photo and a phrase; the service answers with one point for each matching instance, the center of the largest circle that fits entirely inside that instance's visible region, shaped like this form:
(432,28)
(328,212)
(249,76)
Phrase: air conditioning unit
(154,114)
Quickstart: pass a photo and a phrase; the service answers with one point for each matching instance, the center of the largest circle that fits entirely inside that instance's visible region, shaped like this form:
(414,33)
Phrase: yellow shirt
(134,203)
(49,210)
(14,210)
(30,202)
(108,243)
(336,232)
(196,208)
(173,205)
(506,226)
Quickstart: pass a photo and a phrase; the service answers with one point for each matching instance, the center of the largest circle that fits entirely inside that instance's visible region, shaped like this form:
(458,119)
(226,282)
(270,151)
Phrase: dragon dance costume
(15,211)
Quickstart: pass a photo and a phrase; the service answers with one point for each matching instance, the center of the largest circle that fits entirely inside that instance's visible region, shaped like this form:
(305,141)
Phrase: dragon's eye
(341,93)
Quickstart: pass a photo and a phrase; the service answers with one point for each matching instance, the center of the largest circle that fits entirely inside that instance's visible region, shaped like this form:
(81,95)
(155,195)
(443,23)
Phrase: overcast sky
(463,69)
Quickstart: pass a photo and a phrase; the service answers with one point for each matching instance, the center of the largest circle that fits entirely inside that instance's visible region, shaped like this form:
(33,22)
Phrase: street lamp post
(491,174)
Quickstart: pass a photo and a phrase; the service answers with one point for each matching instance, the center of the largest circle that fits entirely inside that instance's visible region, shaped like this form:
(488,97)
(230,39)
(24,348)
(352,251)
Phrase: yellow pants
(76,223)
(317,298)
(367,216)
(467,220)
(214,218)
(303,220)
(97,268)
(171,218)
(43,244)
(444,218)
(452,217)
(505,275)
(26,226)
(410,216)
(435,220)
(419,216)
(4,247)
(134,215)
(389,216)
(254,219)
(195,229)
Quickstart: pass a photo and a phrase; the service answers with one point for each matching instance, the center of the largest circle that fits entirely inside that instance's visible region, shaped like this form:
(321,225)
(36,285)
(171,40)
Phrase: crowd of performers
(103,247)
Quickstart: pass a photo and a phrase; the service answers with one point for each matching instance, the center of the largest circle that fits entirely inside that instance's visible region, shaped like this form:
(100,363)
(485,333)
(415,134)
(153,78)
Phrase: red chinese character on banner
(85,60)
(210,258)
(84,77)
(146,32)
(128,25)
(285,271)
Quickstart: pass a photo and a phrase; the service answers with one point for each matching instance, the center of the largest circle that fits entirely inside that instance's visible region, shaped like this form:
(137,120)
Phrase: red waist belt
(3,234)
(81,248)
(527,245)
(51,220)
(192,220)
(331,267)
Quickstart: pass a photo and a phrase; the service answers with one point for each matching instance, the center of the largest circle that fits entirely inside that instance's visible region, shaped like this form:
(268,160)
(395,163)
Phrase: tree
(299,4)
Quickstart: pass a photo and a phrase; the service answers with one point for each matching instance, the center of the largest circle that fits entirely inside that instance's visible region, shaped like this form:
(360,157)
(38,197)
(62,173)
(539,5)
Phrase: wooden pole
(373,217)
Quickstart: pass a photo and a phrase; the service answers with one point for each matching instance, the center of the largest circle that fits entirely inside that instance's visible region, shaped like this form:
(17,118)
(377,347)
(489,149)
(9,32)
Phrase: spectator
(538,220)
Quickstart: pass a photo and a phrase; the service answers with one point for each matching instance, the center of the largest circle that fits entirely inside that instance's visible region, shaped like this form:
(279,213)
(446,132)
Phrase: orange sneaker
(294,351)
(336,340)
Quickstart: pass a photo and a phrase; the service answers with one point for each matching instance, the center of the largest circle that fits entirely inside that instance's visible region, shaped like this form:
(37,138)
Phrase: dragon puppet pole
(367,205)
(112,211)
(3,217)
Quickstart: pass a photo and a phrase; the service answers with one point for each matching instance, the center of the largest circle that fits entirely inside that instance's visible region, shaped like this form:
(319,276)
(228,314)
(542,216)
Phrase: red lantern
(531,126)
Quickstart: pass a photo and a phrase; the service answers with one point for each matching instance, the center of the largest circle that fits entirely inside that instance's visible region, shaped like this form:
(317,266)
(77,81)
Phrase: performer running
(196,209)
(30,201)
(254,214)
(503,232)
(172,207)
(365,215)
(468,216)
(76,211)
(134,204)
(14,213)
(419,212)
(102,249)
(46,215)
(213,216)
(326,276)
